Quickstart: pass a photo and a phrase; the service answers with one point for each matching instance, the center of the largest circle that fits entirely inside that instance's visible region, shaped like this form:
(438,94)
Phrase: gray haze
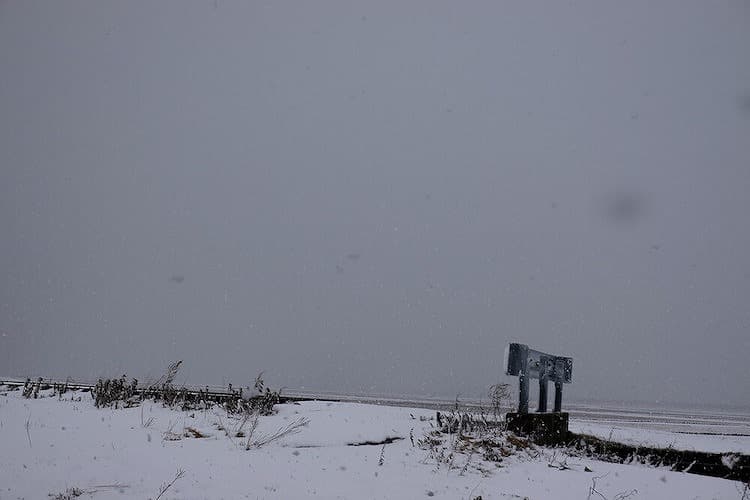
(378,196)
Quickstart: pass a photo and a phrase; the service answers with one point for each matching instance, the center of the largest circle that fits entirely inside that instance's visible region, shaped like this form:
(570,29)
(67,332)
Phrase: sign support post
(523,381)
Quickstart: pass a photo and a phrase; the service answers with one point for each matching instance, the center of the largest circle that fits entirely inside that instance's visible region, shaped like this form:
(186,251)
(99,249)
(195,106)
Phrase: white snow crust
(49,445)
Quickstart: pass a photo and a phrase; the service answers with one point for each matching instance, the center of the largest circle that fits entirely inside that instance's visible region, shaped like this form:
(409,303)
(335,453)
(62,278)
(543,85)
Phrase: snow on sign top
(538,364)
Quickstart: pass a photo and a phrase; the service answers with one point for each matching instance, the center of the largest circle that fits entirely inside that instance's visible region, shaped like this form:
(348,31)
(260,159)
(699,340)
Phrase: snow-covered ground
(718,421)
(631,434)
(48,446)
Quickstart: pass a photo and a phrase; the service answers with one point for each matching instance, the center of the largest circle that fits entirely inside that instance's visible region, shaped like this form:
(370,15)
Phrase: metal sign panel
(529,363)
(538,364)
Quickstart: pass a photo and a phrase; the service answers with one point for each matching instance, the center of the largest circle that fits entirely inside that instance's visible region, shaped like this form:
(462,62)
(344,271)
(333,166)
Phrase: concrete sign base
(542,428)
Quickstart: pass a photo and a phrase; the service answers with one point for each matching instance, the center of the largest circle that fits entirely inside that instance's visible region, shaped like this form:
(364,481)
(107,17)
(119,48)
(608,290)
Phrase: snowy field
(633,435)
(727,422)
(49,446)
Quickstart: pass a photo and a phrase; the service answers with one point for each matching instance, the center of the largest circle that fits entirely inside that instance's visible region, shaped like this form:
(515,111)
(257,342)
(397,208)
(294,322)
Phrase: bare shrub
(68,494)
(194,433)
(744,489)
(147,422)
(263,439)
(262,402)
(27,388)
(165,486)
(115,392)
(119,393)
(499,395)
(170,435)
(163,387)
(460,434)
(31,389)
(254,419)
(168,377)
(28,432)
(73,493)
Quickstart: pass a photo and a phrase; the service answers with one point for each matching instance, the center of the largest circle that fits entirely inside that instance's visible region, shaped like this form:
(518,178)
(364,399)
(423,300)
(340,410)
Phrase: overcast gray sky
(378,196)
